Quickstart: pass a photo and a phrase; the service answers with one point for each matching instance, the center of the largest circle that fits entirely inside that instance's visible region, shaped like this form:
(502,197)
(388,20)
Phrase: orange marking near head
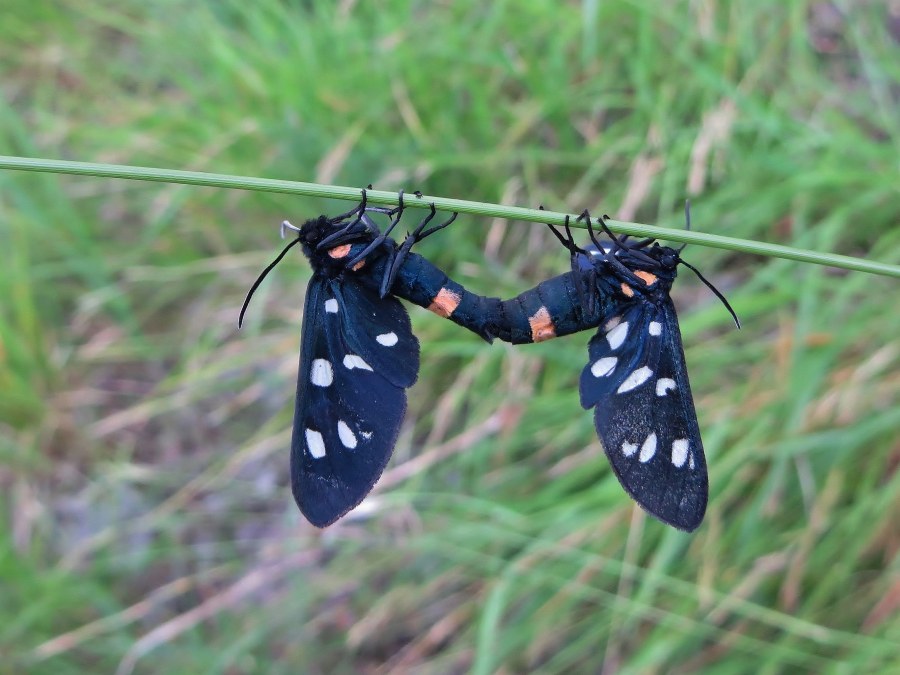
(358,265)
(339,251)
(627,290)
(445,303)
(647,277)
(542,327)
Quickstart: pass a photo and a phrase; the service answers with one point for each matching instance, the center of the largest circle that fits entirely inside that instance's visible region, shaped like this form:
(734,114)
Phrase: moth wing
(349,406)
(644,415)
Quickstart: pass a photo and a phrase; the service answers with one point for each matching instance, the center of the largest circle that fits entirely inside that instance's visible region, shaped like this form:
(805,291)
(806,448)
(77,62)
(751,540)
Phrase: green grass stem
(443,204)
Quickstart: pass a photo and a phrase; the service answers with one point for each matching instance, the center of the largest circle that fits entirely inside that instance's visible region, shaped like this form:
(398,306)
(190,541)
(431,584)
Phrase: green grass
(146,524)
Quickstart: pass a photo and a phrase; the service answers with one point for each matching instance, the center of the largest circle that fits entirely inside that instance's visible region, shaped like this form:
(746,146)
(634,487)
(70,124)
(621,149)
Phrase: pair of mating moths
(359,355)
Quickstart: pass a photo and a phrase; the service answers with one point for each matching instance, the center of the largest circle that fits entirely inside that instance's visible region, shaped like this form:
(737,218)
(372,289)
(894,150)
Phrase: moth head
(668,257)
(313,231)
(327,241)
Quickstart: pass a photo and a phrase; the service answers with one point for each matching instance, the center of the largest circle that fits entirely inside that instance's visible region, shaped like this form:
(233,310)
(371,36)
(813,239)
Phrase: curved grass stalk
(444,204)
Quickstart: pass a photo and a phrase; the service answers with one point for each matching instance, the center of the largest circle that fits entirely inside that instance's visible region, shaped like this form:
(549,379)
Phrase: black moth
(636,379)
(358,356)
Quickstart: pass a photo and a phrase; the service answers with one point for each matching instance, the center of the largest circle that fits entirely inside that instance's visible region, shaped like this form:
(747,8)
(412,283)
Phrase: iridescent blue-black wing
(357,358)
(637,383)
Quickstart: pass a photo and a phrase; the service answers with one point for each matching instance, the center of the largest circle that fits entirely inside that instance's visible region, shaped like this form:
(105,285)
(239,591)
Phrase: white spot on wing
(321,374)
(664,385)
(648,449)
(628,449)
(604,366)
(315,443)
(346,435)
(655,328)
(691,461)
(680,452)
(352,361)
(617,335)
(387,339)
(366,434)
(331,306)
(637,378)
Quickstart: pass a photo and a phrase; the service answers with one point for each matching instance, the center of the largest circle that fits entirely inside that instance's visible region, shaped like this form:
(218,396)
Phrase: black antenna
(687,222)
(737,322)
(687,226)
(266,271)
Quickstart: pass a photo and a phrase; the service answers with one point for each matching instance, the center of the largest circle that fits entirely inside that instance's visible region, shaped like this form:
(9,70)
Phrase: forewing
(644,414)
(349,408)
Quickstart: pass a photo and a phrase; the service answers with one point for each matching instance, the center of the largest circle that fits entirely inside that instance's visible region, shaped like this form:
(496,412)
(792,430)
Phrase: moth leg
(403,250)
(419,235)
(568,241)
(381,238)
(391,265)
(583,286)
(359,212)
(610,255)
(633,249)
(359,208)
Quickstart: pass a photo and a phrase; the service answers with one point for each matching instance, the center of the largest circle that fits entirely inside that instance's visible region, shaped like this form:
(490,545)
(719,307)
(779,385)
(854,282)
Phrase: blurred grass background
(146,524)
